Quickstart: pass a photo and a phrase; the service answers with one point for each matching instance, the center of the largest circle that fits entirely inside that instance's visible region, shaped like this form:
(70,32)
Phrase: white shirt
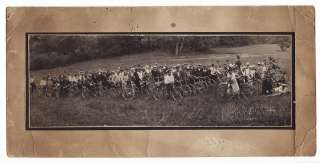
(252,73)
(213,70)
(148,70)
(43,82)
(168,79)
(246,71)
(264,69)
(140,74)
(125,78)
(233,76)
(31,80)
(115,78)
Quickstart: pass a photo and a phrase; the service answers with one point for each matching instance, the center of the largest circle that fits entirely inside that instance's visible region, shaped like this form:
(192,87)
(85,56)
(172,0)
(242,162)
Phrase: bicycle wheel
(221,91)
(246,90)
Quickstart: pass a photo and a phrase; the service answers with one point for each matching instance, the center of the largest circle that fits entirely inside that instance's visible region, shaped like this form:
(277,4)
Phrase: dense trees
(48,51)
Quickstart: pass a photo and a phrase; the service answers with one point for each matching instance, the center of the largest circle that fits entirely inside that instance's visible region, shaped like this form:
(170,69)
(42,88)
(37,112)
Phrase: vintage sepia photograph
(160,80)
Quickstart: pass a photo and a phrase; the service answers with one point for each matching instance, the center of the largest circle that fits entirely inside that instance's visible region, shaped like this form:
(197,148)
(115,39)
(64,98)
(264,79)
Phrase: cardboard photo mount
(300,141)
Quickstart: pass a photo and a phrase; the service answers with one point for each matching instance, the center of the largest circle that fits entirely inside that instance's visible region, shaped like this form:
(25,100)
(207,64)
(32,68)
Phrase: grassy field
(200,110)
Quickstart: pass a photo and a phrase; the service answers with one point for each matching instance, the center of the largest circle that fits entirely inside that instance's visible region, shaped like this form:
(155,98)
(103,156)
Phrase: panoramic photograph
(159,80)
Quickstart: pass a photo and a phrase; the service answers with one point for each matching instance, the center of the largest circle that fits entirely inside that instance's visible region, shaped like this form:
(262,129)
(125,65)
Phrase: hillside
(253,53)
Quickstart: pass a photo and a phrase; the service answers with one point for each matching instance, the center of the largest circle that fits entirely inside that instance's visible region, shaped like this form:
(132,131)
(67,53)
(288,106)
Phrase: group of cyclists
(165,81)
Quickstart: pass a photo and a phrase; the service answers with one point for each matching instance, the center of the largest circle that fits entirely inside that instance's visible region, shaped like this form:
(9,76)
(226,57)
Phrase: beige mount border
(298,19)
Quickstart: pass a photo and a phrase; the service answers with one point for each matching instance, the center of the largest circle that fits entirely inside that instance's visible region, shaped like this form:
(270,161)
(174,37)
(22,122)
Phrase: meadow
(199,110)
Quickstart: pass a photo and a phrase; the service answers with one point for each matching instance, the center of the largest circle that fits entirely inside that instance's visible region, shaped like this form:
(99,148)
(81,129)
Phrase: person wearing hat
(155,73)
(238,62)
(213,72)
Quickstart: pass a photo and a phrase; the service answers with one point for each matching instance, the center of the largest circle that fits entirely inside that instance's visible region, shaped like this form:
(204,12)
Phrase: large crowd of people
(165,81)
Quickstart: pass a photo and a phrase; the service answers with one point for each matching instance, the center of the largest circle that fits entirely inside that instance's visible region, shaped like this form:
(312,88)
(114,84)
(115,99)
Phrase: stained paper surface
(123,143)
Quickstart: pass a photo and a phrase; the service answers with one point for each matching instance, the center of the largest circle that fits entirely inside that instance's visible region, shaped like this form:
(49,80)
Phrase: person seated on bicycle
(124,79)
(212,72)
(177,76)
(206,72)
(155,73)
(184,76)
(64,85)
(115,79)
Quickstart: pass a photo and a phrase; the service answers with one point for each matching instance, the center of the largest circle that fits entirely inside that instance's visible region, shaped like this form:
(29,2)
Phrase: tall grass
(200,110)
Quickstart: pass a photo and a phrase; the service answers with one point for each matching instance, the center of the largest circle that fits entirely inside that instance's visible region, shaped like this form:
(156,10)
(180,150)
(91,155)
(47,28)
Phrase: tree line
(49,51)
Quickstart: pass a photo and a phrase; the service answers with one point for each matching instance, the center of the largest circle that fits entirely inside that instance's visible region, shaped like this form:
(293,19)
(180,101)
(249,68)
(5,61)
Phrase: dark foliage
(49,51)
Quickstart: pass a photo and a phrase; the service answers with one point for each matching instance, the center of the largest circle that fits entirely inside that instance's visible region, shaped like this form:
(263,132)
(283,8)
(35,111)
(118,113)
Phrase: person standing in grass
(233,82)
(169,83)
(137,80)
(238,63)
(32,85)
(246,72)
(44,85)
